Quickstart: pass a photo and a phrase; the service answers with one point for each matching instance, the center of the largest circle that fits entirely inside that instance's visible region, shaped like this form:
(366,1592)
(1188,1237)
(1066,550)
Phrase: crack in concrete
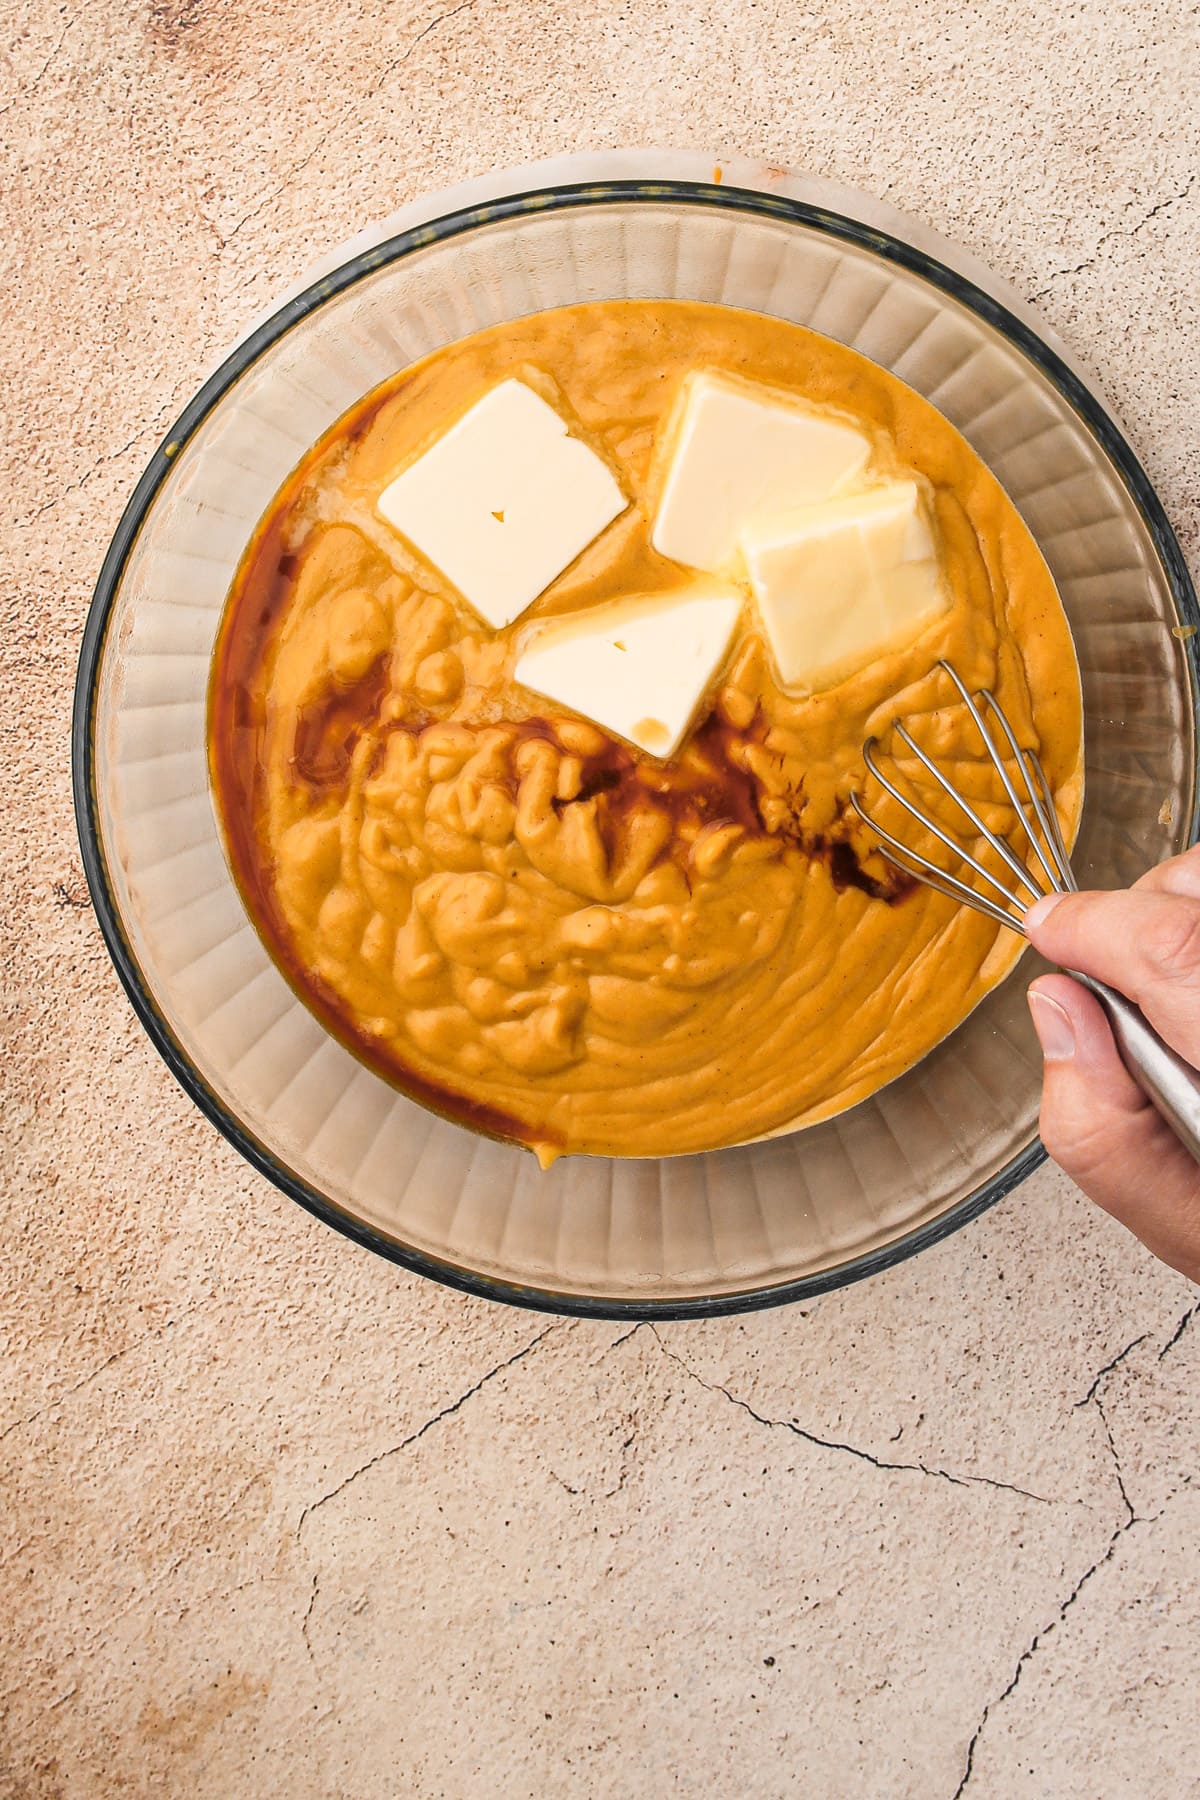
(23,93)
(243,1494)
(1114,1363)
(268,199)
(446,1412)
(239,1587)
(450,13)
(306,1620)
(141,1596)
(1038,1639)
(111,456)
(117,1356)
(1126,1502)
(626,1464)
(346,114)
(1117,232)
(1126,1524)
(867,1456)
(100,1636)
(1191,1313)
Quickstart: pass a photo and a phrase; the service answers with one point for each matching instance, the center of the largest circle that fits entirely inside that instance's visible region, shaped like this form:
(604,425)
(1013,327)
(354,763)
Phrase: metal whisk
(1163,1076)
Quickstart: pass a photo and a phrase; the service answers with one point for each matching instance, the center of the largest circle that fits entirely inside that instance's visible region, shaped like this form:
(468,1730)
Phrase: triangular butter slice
(843,582)
(637,667)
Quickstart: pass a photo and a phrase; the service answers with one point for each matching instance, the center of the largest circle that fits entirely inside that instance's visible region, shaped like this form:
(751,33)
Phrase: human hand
(1096,1122)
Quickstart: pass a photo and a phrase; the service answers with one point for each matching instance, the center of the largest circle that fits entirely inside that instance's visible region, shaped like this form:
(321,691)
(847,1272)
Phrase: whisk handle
(1168,1082)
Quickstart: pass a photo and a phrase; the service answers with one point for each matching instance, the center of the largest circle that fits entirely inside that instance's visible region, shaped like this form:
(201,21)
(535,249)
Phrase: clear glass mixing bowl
(700,1234)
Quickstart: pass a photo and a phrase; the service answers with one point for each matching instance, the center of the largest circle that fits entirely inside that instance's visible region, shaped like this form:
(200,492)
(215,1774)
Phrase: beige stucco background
(277,1519)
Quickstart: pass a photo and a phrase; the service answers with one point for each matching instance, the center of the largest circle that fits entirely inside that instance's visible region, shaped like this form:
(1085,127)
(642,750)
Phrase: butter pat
(741,455)
(840,583)
(504,502)
(637,667)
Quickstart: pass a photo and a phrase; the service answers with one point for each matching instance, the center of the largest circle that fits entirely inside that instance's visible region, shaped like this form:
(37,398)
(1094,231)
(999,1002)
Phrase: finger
(1178,875)
(1098,1125)
(1143,943)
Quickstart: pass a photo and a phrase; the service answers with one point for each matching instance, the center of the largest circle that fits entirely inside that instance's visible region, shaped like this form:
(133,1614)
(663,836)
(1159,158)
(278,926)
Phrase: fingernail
(1040,911)
(1052,1022)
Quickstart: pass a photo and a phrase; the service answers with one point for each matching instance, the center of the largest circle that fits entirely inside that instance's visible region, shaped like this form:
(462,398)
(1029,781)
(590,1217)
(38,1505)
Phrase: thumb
(1144,942)
(1098,1125)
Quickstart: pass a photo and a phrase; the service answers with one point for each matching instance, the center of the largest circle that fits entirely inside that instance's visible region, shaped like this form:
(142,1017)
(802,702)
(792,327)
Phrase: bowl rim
(560,197)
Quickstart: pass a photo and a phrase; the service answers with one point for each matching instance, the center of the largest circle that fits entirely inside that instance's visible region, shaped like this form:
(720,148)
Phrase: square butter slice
(504,502)
(741,454)
(844,581)
(637,667)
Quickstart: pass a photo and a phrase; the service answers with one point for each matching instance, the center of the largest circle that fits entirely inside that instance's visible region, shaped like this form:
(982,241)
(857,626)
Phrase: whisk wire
(1167,1080)
(999,765)
(904,859)
(1042,804)
(931,825)
(1039,789)
(1035,810)
(1019,870)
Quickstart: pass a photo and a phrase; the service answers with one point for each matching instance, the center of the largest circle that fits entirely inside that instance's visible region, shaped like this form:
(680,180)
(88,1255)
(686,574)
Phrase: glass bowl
(690,1235)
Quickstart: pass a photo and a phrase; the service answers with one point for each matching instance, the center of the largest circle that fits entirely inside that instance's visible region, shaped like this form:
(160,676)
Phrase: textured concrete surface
(278,1520)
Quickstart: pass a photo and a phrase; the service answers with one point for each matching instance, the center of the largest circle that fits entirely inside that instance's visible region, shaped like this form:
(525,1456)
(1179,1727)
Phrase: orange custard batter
(528,924)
